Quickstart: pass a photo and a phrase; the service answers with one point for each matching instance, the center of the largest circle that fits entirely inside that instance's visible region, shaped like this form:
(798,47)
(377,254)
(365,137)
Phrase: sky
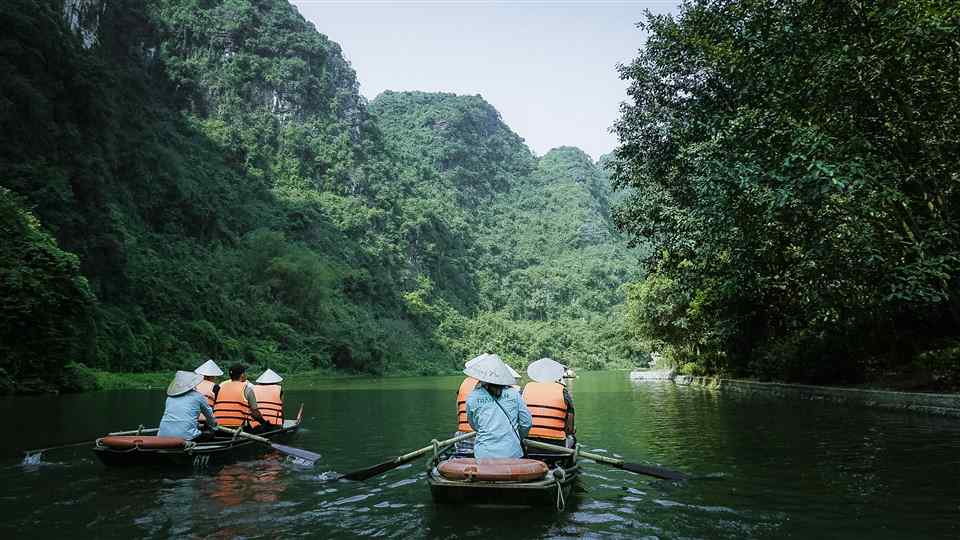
(548,67)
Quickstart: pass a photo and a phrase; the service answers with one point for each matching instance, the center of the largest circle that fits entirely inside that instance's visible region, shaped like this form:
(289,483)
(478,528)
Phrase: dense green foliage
(795,171)
(186,179)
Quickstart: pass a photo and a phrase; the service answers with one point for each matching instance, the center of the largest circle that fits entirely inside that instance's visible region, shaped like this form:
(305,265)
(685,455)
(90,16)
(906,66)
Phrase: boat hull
(223,449)
(553,490)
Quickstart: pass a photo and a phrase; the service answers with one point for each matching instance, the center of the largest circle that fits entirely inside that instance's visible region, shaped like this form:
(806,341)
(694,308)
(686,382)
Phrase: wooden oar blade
(370,472)
(299,453)
(656,472)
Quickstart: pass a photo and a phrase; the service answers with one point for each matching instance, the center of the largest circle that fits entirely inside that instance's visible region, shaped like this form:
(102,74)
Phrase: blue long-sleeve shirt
(495,428)
(181,413)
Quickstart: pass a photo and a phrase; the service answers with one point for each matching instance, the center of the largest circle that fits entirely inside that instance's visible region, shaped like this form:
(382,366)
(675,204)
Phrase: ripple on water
(348,500)
(404,482)
(712,509)
(595,518)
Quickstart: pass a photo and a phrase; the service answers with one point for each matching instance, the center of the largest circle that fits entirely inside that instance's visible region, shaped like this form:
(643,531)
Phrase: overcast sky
(548,67)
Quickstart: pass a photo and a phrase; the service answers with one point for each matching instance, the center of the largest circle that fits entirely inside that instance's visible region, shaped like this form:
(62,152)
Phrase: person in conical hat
(550,403)
(269,396)
(546,370)
(495,410)
(209,387)
(209,369)
(269,377)
(184,404)
(463,426)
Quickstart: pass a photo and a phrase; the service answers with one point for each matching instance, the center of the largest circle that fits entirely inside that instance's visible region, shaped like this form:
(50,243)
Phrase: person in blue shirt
(495,410)
(184,405)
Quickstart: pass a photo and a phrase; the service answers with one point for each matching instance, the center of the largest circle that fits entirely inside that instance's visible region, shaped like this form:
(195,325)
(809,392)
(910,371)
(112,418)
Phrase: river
(762,468)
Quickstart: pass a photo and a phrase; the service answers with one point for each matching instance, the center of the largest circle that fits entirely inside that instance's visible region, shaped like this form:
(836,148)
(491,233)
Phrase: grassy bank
(108,380)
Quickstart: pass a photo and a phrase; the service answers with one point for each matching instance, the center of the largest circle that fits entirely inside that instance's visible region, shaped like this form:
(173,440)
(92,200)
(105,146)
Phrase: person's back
(550,403)
(182,407)
(269,396)
(552,409)
(500,422)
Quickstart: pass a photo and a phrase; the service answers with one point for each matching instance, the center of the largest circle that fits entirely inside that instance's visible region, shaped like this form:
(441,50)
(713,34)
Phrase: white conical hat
(474,359)
(183,382)
(546,370)
(209,369)
(269,377)
(489,368)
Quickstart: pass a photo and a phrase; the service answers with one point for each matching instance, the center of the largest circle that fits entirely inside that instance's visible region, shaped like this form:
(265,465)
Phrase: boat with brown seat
(143,449)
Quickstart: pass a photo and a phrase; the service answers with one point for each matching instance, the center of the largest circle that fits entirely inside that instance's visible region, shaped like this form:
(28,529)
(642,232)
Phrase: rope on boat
(558,475)
(436,454)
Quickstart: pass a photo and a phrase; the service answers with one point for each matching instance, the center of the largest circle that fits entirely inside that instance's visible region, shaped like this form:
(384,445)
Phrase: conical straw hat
(209,369)
(269,377)
(546,370)
(474,359)
(490,369)
(183,382)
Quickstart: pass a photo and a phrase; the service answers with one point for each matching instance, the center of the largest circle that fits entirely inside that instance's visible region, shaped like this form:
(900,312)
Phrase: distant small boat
(173,451)
(460,480)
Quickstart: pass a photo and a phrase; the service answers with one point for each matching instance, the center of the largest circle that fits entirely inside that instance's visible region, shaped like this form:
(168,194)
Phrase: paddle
(656,472)
(298,453)
(381,468)
(140,431)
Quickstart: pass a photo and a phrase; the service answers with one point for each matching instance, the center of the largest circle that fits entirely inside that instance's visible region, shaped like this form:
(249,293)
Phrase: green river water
(762,468)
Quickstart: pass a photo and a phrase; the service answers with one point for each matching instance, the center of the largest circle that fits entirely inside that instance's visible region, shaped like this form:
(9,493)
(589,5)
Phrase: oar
(82,443)
(656,472)
(298,453)
(381,468)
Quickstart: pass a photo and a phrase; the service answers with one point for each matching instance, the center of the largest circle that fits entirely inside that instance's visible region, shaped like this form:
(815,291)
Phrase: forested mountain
(184,179)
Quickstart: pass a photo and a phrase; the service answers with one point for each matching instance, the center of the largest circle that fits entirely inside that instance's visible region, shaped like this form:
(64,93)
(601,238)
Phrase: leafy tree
(793,167)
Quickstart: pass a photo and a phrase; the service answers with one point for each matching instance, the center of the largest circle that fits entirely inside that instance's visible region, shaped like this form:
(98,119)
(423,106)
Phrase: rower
(550,403)
(208,386)
(183,405)
(269,396)
(236,402)
(495,410)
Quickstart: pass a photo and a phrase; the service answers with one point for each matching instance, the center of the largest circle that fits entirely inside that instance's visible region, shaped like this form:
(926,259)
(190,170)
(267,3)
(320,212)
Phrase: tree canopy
(794,170)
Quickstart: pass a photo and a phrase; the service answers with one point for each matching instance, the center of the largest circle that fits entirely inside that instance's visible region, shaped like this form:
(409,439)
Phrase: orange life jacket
(466,387)
(206,388)
(231,408)
(269,402)
(548,408)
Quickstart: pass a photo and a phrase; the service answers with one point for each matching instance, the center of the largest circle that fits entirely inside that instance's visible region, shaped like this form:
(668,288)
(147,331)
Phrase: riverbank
(926,403)
(109,380)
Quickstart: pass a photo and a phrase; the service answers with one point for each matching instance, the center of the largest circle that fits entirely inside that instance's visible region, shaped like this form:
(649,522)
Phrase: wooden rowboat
(555,488)
(223,448)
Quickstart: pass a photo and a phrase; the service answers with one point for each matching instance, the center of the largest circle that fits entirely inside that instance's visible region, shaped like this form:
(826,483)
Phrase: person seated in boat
(236,404)
(183,405)
(550,403)
(208,386)
(269,396)
(495,410)
(465,448)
